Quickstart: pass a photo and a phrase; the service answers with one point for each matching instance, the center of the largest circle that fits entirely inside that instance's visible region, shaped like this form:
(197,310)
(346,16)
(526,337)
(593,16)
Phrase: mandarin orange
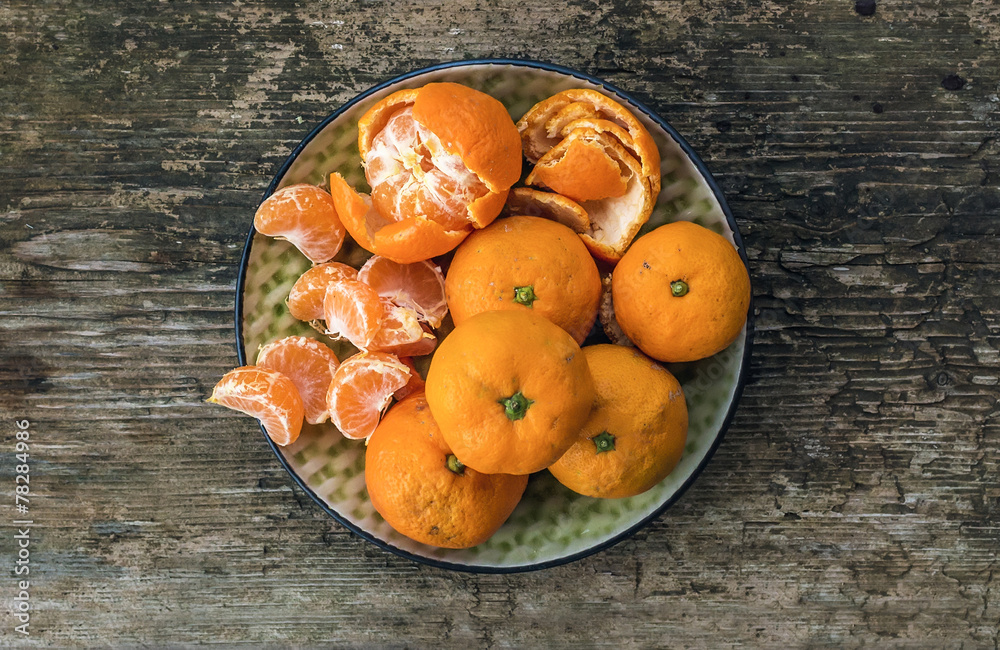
(423,491)
(681,292)
(509,390)
(443,152)
(525,264)
(635,434)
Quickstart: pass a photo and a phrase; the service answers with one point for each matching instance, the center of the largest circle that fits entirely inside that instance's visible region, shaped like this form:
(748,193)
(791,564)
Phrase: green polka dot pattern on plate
(551,522)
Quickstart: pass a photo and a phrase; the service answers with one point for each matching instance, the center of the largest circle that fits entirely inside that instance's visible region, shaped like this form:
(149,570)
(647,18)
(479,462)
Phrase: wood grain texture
(855,501)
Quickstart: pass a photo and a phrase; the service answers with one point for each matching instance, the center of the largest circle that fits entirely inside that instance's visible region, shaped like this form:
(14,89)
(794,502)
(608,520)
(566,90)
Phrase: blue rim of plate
(741,381)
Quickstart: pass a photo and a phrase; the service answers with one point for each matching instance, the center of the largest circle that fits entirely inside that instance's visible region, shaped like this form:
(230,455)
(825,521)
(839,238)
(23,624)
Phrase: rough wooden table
(855,501)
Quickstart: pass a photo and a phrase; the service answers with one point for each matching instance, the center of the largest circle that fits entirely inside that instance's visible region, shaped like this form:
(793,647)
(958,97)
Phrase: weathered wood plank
(855,500)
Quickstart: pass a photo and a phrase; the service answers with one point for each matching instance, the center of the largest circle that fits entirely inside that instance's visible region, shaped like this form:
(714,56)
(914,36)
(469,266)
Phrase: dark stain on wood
(953,82)
(865,7)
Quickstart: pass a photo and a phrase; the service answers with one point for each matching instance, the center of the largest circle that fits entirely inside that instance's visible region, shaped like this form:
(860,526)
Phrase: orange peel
(581,168)
(614,220)
(590,149)
(545,124)
(548,205)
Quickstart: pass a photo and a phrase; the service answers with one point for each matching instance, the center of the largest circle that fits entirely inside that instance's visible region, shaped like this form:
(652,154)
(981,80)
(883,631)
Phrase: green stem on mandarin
(525,295)
(678,288)
(454,464)
(516,406)
(604,441)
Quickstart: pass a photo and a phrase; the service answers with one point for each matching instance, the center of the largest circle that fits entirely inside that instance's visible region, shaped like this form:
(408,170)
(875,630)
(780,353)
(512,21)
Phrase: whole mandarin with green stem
(635,434)
(525,263)
(681,292)
(510,391)
(421,488)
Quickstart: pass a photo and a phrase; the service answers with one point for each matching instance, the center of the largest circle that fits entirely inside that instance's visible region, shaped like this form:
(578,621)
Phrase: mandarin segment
(509,390)
(267,395)
(352,310)
(423,492)
(309,364)
(415,384)
(401,333)
(681,292)
(305,300)
(635,434)
(306,216)
(362,389)
(418,286)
